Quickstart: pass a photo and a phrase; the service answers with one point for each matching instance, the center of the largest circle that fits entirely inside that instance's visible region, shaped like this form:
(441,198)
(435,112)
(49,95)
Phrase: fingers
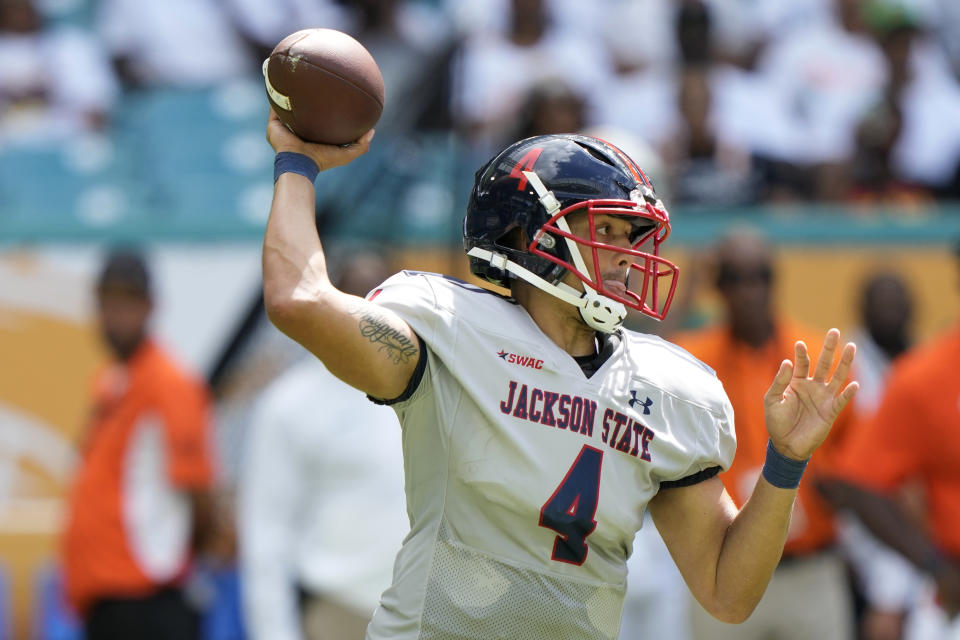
(335,156)
(825,361)
(802,358)
(364,140)
(843,369)
(780,383)
(845,396)
(326,156)
(280,137)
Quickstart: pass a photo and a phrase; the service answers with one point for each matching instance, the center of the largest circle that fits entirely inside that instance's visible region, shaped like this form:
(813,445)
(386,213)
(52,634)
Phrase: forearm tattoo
(376,329)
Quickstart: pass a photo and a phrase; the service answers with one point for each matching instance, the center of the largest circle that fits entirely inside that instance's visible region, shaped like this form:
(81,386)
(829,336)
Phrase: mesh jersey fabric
(501,427)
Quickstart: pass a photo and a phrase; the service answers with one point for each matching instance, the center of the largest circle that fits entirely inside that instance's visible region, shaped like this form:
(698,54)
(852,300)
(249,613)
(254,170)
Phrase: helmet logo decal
(525,164)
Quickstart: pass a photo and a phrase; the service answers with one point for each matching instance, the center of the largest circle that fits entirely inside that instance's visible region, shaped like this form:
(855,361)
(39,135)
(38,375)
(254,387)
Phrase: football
(324,85)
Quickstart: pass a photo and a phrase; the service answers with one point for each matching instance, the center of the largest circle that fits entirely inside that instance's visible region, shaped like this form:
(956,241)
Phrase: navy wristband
(290,162)
(781,471)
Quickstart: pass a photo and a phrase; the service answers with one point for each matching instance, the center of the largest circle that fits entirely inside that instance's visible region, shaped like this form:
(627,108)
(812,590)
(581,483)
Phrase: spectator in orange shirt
(141,499)
(887,584)
(745,351)
(913,437)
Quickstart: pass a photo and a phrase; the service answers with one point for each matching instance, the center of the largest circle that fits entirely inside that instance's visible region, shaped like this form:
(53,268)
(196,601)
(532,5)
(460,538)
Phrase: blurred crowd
(728,102)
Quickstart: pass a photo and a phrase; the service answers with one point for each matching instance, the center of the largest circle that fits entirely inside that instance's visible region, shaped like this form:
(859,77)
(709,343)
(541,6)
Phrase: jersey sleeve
(718,440)
(705,437)
(188,429)
(412,297)
(271,493)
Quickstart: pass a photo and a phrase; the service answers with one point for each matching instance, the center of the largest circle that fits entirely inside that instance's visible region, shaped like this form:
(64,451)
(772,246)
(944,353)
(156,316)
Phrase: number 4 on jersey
(571,508)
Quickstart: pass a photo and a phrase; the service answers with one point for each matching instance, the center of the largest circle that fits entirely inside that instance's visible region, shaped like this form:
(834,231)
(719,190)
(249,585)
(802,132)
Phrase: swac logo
(646,404)
(520,361)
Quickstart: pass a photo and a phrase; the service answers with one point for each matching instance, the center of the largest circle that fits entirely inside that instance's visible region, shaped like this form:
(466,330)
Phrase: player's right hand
(326,156)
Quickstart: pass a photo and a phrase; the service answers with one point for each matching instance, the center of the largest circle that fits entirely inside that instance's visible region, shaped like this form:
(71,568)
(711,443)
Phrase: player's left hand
(800,409)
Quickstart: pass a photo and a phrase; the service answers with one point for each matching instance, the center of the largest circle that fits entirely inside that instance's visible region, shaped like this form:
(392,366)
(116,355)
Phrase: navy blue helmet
(516,224)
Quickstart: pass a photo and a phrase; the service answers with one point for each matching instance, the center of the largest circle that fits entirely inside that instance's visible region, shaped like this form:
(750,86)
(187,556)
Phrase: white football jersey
(526,481)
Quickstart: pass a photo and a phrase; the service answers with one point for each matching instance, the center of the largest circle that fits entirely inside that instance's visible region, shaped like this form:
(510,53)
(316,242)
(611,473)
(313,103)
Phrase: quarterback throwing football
(536,430)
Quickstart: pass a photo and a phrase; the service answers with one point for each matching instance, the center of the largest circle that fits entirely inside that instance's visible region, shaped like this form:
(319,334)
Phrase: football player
(536,430)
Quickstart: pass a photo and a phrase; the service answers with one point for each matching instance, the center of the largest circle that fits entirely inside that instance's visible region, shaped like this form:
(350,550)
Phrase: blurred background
(831,127)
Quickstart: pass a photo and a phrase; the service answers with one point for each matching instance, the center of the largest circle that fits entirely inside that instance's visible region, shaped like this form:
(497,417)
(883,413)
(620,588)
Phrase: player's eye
(602,230)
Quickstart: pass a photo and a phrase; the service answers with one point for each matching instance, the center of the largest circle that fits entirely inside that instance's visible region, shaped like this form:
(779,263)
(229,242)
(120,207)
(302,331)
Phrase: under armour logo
(646,404)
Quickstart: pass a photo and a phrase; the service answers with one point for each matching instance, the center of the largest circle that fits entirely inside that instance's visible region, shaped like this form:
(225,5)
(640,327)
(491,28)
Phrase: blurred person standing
(886,582)
(913,438)
(322,508)
(886,312)
(754,340)
(141,502)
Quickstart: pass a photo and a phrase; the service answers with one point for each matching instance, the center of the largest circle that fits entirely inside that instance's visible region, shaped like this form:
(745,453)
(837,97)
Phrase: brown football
(324,85)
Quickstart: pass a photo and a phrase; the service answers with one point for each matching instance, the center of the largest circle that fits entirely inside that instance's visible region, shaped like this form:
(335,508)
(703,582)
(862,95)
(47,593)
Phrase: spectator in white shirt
(496,71)
(927,149)
(888,583)
(321,504)
(265,24)
(174,43)
(55,82)
(823,76)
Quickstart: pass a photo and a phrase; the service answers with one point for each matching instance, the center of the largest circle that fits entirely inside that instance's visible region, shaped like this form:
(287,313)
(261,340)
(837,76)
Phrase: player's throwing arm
(366,346)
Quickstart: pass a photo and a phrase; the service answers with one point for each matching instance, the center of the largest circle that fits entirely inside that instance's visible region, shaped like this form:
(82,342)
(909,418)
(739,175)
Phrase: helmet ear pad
(515,244)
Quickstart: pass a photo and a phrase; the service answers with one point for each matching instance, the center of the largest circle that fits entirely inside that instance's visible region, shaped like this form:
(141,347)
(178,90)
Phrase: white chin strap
(598,311)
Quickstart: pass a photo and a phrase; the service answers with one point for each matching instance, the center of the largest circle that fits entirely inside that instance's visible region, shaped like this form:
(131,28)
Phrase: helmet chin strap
(600,312)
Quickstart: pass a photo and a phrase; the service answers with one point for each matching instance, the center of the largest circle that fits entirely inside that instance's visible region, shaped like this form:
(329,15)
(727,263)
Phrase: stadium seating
(171,155)
(196,161)
(193,164)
